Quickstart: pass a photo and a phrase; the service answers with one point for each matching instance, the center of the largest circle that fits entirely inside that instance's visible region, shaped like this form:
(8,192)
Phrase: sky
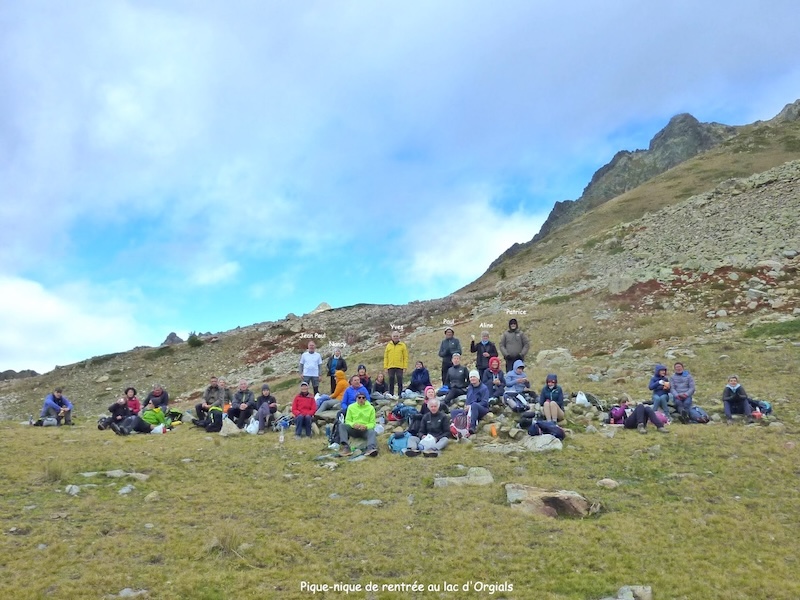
(197,166)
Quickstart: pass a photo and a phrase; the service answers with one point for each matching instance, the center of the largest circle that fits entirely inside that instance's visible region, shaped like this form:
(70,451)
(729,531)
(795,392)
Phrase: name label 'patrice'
(516,312)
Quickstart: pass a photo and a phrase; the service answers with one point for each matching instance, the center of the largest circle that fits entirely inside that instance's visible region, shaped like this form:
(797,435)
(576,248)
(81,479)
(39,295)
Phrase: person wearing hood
(450,345)
(734,397)
(333,402)
(336,362)
(477,403)
(681,385)
(517,381)
(303,409)
(551,399)
(484,350)
(395,362)
(420,378)
(660,385)
(494,379)
(514,344)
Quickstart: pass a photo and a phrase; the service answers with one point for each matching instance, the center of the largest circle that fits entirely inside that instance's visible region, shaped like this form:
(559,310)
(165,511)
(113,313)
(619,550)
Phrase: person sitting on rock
(152,420)
(430,394)
(336,362)
(447,349)
(380,388)
(56,407)
(266,407)
(213,398)
(349,396)
(243,405)
(158,397)
(303,409)
(639,417)
(477,400)
(551,399)
(735,399)
(517,381)
(484,351)
(359,422)
(457,380)
(681,385)
(659,385)
(494,379)
(366,381)
(435,423)
(334,401)
(420,378)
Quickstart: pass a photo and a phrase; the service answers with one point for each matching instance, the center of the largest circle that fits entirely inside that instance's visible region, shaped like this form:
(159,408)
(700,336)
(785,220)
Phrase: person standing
(310,363)
(514,345)
(395,361)
(336,362)
(450,345)
(484,350)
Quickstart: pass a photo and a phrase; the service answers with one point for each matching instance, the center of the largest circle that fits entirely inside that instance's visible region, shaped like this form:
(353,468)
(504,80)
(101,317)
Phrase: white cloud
(42,328)
(215,274)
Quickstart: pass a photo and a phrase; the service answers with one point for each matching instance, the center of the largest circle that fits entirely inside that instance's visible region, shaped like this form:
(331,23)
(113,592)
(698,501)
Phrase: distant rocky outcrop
(683,138)
(11,374)
(172,339)
(323,307)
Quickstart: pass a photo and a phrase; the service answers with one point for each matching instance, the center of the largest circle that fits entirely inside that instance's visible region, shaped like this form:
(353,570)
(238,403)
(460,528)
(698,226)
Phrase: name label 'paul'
(448,321)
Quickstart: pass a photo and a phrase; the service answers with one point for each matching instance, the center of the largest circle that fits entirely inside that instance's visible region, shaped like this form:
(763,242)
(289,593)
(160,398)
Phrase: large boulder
(475,476)
(556,356)
(538,501)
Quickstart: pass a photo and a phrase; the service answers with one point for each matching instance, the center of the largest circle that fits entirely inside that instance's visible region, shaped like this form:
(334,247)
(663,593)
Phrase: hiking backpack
(414,423)
(761,405)
(398,442)
(698,415)
(402,412)
(459,423)
(516,402)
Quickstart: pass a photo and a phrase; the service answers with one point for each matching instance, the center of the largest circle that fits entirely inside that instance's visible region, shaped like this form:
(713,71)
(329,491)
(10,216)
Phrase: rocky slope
(683,138)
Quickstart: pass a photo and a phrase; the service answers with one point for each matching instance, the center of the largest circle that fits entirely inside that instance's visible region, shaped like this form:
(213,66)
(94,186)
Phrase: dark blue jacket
(421,377)
(478,395)
(655,381)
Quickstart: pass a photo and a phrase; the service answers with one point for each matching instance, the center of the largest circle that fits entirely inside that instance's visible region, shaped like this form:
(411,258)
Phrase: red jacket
(304,405)
(134,405)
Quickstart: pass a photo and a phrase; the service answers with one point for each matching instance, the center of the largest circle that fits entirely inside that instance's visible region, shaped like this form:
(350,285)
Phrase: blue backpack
(698,415)
(403,412)
(543,427)
(762,405)
(398,442)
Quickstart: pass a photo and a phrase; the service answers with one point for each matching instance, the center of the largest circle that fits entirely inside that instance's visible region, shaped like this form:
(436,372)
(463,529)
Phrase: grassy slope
(705,512)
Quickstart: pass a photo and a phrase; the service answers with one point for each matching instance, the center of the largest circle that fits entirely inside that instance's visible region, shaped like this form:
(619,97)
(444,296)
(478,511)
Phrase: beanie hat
(265,387)
(474,373)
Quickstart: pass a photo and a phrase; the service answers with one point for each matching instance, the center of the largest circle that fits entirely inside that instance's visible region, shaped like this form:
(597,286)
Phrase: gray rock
(608,483)
(130,593)
(72,490)
(139,476)
(591,429)
(561,503)
(542,443)
(152,497)
(474,476)
(126,490)
(374,502)
(90,474)
(116,474)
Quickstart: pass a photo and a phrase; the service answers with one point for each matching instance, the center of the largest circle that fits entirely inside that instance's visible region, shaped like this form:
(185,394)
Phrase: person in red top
(303,408)
(133,402)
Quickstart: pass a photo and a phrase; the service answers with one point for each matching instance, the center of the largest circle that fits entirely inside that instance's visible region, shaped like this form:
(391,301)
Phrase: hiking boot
(261,432)
(115,428)
(373,452)
(729,422)
(410,452)
(345,450)
(662,430)
(642,428)
(749,419)
(432,453)
(683,417)
(196,422)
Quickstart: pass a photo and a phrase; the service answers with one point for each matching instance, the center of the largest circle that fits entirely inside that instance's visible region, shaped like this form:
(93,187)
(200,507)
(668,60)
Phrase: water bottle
(327,431)
(382,420)
(281,436)
(30,420)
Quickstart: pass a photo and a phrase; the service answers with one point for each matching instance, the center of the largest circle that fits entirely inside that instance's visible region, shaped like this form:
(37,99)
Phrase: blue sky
(177,166)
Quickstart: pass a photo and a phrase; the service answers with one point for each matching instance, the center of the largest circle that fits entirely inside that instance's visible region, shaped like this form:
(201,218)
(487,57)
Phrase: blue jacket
(655,381)
(51,402)
(421,377)
(478,395)
(512,379)
(350,394)
(682,384)
(555,395)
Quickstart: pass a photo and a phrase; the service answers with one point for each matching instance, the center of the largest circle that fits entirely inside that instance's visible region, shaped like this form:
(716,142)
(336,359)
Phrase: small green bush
(158,353)
(194,341)
(502,272)
(556,300)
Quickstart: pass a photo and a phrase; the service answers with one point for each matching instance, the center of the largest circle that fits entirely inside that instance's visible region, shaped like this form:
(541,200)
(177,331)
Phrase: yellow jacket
(395,356)
(341,385)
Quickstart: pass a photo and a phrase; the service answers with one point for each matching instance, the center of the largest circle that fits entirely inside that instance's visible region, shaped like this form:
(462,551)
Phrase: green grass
(552,300)
(787,329)
(159,353)
(247,518)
